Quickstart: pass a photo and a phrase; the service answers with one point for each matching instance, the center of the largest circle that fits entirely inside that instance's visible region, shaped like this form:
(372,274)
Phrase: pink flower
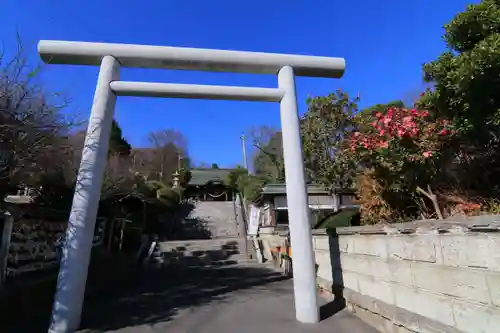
(356,134)
(427,154)
(378,114)
(443,132)
(383,144)
(425,114)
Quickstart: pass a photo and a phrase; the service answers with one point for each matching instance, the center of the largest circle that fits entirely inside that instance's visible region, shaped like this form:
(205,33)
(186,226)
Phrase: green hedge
(344,218)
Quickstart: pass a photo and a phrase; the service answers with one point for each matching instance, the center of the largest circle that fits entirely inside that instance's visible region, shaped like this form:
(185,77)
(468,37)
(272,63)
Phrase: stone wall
(34,244)
(424,276)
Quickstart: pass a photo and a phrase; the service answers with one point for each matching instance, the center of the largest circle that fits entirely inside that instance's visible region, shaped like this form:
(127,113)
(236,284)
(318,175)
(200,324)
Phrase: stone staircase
(210,237)
(219,217)
(208,220)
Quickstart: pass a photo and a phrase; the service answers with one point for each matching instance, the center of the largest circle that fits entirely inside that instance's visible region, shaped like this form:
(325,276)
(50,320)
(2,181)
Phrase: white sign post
(253,223)
(253,231)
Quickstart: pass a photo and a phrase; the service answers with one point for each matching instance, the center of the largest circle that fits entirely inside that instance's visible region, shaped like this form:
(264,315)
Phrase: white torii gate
(76,253)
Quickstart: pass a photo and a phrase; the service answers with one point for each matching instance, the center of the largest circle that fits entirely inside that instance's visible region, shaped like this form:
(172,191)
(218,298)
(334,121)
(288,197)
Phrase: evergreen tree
(117,143)
(465,90)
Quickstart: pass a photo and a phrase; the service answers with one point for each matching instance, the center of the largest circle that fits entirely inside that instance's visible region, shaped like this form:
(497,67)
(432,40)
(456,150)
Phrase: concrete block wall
(423,276)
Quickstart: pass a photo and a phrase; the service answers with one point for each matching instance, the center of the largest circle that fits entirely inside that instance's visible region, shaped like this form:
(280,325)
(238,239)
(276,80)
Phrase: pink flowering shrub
(400,138)
(398,151)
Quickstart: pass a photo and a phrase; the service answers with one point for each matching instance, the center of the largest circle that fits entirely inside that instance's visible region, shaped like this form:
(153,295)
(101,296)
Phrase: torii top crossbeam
(148,56)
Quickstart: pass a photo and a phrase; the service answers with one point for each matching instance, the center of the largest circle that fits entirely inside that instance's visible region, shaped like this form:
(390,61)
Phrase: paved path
(243,299)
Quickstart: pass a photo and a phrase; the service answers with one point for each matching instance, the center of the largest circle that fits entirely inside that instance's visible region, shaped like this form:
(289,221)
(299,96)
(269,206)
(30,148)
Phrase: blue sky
(384,43)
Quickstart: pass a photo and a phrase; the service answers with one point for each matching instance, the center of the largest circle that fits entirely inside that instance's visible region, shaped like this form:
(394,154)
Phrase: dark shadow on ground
(337,287)
(26,300)
(150,296)
(158,295)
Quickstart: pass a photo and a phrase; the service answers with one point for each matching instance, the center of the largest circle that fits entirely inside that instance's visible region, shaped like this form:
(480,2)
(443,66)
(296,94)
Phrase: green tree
(466,75)
(383,107)
(234,176)
(466,90)
(251,186)
(268,158)
(323,128)
(117,143)
(215,166)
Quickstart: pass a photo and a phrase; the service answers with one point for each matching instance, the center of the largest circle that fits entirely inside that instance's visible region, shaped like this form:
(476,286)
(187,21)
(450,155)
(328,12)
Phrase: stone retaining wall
(34,244)
(424,276)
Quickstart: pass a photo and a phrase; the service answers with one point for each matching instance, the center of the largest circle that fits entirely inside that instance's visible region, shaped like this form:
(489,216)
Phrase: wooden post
(122,226)
(5,236)
(111,233)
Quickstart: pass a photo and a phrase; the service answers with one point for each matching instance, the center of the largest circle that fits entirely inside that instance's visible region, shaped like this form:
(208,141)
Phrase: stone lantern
(176,179)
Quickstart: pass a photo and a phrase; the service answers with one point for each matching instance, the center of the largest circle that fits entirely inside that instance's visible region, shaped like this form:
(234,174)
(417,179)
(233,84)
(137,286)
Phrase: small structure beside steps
(271,216)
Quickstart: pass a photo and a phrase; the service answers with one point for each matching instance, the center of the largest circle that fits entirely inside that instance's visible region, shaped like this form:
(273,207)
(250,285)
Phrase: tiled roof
(200,177)
(276,189)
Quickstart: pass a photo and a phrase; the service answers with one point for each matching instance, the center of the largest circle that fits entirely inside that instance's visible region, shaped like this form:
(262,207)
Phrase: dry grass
(374,208)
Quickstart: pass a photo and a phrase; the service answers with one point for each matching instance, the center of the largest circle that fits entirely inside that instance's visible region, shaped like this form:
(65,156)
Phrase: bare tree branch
(31,125)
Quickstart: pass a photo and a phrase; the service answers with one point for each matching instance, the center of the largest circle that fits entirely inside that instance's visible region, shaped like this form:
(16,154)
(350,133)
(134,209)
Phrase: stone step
(212,254)
(204,252)
(203,262)
(217,217)
(227,243)
(207,260)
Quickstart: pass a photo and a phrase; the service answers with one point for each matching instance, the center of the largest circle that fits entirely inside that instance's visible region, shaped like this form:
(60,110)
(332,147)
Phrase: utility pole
(244,148)
(242,214)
